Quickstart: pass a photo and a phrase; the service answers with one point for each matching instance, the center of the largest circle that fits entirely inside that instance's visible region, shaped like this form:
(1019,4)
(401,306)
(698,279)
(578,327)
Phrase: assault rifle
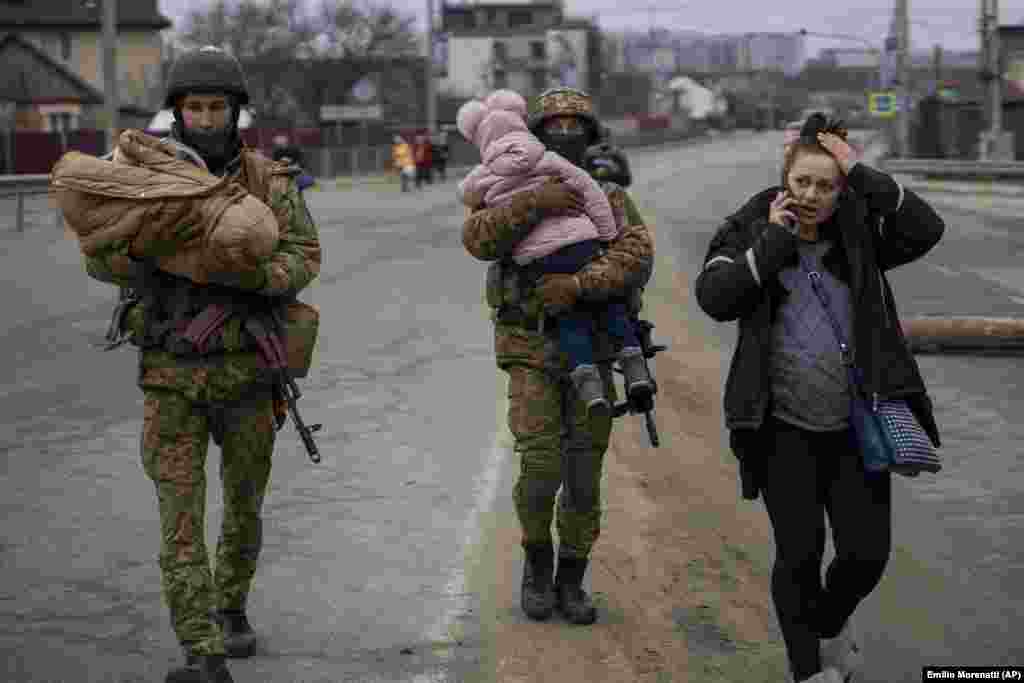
(291,394)
(646,404)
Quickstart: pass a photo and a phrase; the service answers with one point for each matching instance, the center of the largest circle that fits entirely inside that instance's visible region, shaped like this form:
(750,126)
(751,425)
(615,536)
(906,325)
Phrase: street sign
(882,104)
(345,112)
(365,90)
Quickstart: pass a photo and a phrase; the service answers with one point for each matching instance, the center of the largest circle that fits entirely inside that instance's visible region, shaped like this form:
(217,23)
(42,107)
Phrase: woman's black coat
(880,226)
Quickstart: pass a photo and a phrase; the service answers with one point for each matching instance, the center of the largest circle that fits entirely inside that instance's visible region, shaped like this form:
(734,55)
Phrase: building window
(539,78)
(61,122)
(538,49)
(519,17)
(500,79)
(65,46)
(500,51)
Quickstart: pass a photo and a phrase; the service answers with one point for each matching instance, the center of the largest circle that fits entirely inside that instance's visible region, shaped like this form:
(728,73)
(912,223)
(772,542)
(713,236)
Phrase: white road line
(486,490)
(949,272)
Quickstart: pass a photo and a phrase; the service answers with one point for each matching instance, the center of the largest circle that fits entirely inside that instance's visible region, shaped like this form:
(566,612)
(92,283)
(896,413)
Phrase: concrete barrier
(933,334)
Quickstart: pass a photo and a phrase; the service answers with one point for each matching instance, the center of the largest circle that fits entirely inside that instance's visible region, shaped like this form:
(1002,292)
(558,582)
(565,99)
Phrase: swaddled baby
(173,211)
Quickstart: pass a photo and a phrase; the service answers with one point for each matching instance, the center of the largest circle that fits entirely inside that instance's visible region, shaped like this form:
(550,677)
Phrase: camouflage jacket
(490,234)
(226,375)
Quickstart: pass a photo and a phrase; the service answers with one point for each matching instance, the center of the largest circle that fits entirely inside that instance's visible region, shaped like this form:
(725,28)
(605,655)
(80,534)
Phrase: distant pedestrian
(787,399)
(423,157)
(440,155)
(402,160)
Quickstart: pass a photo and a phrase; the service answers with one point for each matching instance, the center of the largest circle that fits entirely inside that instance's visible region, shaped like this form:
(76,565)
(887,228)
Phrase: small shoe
(843,653)
(637,379)
(590,389)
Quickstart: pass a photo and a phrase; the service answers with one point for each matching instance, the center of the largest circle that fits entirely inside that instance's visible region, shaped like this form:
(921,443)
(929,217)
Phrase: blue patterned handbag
(887,433)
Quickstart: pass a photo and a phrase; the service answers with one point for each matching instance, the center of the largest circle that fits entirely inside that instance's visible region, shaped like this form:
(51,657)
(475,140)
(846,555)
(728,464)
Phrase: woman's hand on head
(841,150)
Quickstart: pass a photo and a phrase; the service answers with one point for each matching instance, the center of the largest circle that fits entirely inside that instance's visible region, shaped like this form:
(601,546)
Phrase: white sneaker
(843,653)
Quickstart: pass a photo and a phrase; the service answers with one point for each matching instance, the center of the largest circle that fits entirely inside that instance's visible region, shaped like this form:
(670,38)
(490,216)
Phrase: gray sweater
(810,387)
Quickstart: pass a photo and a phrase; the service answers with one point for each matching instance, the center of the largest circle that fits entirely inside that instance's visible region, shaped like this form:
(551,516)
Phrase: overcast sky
(951,23)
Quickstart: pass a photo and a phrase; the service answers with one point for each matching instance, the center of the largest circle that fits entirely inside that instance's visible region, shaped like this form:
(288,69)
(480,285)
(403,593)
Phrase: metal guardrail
(954,168)
(20,186)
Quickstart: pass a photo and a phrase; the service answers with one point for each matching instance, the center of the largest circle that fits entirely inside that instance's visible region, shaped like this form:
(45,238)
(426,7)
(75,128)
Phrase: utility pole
(431,84)
(903,63)
(988,29)
(110,70)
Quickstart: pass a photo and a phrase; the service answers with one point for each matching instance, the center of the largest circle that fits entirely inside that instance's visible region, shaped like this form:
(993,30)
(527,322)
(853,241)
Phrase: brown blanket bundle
(191,222)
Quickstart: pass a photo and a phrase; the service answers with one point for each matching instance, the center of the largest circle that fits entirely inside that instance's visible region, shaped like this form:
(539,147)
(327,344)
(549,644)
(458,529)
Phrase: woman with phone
(787,399)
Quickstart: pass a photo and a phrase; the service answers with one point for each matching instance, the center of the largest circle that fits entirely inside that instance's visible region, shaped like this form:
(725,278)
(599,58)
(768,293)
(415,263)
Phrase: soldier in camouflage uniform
(557,444)
(225,392)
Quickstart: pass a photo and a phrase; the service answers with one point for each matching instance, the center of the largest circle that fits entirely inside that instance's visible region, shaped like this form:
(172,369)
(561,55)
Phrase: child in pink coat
(515,161)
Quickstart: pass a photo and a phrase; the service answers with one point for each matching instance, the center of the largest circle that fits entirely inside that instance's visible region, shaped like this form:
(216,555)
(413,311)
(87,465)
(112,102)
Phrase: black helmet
(208,69)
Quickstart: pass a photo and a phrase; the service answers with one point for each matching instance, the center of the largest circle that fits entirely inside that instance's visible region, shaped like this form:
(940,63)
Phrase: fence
(21,187)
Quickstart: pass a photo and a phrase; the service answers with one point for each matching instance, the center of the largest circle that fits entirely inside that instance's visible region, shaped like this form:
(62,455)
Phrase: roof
(55,14)
(30,76)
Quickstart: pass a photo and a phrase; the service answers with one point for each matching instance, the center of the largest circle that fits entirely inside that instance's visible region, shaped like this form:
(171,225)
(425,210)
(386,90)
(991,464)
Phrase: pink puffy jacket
(514,161)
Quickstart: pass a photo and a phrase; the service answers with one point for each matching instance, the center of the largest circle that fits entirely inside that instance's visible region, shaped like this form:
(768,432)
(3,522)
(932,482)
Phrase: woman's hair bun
(819,123)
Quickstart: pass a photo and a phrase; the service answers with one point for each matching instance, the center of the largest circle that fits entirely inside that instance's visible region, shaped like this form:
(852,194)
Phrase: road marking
(486,491)
(949,272)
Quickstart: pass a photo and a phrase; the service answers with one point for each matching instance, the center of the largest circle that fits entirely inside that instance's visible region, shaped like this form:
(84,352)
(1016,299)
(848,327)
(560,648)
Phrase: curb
(932,334)
(977,189)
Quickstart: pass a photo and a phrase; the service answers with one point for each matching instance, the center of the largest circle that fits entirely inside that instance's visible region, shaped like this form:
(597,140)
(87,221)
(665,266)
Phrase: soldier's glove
(558,291)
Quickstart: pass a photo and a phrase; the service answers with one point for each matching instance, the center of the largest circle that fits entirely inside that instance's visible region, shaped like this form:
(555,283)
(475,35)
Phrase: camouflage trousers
(556,453)
(175,439)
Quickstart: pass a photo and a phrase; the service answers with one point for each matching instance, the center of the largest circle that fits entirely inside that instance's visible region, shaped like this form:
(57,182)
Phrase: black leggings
(809,472)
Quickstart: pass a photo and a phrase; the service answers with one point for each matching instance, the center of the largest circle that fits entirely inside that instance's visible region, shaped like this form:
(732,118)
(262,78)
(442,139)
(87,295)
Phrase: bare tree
(293,58)
(281,29)
(363,29)
(251,28)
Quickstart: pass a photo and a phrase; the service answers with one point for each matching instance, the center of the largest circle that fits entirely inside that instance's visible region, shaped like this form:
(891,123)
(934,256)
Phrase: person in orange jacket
(401,158)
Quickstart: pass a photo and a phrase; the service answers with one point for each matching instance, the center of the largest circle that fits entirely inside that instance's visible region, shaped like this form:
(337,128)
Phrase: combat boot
(573,602)
(201,669)
(537,597)
(637,379)
(590,389)
(239,637)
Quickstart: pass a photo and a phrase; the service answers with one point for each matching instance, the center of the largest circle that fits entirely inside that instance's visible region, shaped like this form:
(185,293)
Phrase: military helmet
(561,101)
(208,69)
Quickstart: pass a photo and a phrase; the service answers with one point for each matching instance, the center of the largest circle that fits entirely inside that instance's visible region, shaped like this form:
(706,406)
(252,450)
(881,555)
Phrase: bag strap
(853,371)
(826,302)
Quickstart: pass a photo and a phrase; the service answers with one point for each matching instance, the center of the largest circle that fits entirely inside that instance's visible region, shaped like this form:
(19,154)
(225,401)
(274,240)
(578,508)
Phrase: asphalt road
(364,566)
